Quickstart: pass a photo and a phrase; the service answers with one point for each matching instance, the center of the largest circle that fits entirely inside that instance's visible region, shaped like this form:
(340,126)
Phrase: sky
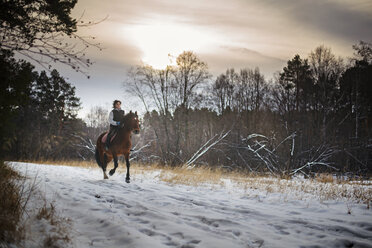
(225,34)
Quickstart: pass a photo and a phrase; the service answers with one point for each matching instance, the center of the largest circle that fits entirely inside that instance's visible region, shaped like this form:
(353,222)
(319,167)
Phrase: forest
(312,116)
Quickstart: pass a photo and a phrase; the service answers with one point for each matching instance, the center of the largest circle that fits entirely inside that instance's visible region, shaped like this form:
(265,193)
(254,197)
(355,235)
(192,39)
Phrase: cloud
(351,20)
(239,58)
(250,33)
(281,28)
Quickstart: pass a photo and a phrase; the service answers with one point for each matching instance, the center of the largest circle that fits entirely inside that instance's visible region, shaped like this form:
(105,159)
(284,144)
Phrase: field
(165,207)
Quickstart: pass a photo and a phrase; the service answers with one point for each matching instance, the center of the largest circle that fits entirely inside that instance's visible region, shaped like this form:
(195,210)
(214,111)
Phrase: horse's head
(133,122)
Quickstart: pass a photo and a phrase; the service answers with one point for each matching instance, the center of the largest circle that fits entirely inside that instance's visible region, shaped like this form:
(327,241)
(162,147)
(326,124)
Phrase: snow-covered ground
(151,213)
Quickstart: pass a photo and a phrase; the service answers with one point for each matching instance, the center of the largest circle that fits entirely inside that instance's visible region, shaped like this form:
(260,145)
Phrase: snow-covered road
(151,213)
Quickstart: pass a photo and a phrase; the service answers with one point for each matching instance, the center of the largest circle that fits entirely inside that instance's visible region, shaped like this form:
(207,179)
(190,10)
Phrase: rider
(116,115)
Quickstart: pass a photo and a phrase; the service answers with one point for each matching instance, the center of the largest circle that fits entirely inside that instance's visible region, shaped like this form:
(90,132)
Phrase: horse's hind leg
(127,178)
(104,166)
(112,171)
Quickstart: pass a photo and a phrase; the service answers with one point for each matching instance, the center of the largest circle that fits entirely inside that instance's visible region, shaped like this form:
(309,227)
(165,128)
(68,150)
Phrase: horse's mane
(127,117)
(130,114)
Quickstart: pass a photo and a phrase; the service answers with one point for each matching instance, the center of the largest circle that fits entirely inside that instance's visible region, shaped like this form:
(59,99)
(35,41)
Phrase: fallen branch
(320,157)
(87,144)
(205,149)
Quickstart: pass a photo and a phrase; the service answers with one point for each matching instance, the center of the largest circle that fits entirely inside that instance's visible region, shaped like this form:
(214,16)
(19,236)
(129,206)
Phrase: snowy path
(151,213)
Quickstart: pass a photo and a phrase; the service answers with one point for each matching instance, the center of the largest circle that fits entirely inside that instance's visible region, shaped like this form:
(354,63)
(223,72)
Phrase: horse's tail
(98,158)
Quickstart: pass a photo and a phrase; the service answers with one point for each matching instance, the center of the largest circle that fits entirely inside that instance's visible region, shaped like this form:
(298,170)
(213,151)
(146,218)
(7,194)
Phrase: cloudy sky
(225,34)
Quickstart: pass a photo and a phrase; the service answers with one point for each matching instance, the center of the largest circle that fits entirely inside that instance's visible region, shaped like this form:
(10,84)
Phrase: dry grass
(11,205)
(15,194)
(323,186)
(60,232)
(196,176)
(325,178)
(47,213)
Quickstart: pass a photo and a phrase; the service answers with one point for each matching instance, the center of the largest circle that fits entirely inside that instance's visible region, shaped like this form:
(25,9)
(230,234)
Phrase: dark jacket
(115,116)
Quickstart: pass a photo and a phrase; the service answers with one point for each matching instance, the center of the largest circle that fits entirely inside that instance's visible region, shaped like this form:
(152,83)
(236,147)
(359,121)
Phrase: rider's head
(116,104)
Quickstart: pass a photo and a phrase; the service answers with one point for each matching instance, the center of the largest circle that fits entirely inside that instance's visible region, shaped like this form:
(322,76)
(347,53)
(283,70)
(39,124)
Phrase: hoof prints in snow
(150,213)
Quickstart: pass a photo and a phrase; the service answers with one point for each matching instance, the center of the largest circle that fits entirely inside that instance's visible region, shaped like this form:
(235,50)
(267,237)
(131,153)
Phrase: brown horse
(121,145)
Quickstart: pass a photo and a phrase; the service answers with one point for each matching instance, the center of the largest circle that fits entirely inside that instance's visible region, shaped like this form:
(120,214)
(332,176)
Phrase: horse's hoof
(111,172)
(127,180)
(105,177)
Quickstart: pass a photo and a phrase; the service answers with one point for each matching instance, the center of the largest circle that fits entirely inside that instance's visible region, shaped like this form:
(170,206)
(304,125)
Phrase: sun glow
(162,41)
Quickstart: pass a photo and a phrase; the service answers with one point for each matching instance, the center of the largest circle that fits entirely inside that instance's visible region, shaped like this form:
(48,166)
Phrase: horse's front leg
(104,166)
(112,171)
(127,178)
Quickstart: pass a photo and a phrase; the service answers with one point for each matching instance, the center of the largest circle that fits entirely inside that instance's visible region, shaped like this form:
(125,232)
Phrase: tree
(44,32)
(297,75)
(356,87)
(171,92)
(223,89)
(363,52)
(17,79)
(38,112)
(156,89)
(58,105)
(250,95)
(189,73)
(56,97)
(97,118)
(259,86)
(326,71)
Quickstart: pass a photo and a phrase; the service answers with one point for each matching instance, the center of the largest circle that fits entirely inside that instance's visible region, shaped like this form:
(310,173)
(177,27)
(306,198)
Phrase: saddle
(104,138)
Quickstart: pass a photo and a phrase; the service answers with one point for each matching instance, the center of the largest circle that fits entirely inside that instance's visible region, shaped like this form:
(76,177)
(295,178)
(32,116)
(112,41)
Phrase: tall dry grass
(12,205)
(15,194)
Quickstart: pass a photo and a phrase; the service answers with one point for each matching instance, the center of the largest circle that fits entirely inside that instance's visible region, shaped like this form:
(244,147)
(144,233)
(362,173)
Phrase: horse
(120,145)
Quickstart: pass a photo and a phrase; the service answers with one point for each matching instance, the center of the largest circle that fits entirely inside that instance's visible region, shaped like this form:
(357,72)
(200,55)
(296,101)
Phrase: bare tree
(363,51)
(155,88)
(224,88)
(97,118)
(170,92)
(189,73)
(251,90)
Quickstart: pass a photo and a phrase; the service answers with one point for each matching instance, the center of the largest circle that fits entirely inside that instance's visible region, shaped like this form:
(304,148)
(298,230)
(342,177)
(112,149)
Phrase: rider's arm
(111,119)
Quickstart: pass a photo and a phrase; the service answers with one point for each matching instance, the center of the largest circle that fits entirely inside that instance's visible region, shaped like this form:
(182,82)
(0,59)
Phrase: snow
(151,213)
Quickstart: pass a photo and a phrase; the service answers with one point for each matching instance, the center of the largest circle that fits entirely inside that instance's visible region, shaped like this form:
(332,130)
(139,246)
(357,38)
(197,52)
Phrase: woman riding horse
(120,145)
(115,116)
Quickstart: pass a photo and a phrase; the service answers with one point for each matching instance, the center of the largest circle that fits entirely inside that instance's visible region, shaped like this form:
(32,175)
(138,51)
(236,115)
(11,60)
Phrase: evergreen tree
(17,79)
(58,105)
(297,75)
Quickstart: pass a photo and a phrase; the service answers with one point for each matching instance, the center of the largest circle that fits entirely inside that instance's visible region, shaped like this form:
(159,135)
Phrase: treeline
(38,112)
(312,117)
